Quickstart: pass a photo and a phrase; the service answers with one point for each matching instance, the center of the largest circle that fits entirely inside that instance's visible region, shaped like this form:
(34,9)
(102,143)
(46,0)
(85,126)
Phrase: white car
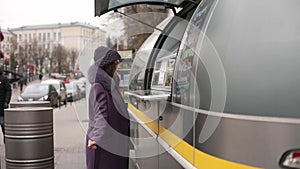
(73,92)
(60,88)
(81,85)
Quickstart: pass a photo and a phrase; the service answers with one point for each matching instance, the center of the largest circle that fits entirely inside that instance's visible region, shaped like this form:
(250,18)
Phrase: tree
(108,42)
(22,58)
(58,59)
(73,57)
(34,53)
(14,46)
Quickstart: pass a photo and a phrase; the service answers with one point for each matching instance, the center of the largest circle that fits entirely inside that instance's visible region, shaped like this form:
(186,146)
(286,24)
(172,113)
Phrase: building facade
(6,44)
(36,43)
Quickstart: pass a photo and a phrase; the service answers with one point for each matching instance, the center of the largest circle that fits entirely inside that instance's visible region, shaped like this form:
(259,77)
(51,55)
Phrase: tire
(57,103)
(52,103)
(65,101)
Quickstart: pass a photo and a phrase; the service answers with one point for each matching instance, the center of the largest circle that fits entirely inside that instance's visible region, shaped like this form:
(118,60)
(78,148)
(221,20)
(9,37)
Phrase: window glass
(44,36)
(139,65)
(163,72)
(59,36)
(186,91)
(56,85)
(183,78)
(37,89)
(52,89)
(137,73)
(165,61)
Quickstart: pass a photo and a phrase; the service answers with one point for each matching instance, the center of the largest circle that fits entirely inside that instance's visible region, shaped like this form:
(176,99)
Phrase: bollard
(29,138)
(30,104)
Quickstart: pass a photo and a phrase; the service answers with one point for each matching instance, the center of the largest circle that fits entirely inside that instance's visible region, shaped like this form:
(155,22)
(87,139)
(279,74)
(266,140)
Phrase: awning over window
(104,6)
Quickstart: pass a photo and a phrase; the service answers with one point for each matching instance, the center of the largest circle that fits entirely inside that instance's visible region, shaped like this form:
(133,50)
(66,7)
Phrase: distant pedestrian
(108,130)
(21,82)
(5,96)
(24,79)
(40,76)
(66,80)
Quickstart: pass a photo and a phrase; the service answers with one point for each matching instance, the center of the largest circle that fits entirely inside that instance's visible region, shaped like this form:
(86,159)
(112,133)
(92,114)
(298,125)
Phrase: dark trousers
(2,127)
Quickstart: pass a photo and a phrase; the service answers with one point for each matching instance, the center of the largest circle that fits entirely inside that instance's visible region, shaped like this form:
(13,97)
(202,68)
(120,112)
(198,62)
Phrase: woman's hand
(92,145)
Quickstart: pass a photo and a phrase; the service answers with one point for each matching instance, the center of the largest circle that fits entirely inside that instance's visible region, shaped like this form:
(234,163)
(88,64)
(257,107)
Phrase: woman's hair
(111,68)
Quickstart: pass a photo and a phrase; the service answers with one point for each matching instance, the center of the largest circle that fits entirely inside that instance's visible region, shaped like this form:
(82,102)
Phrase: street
(70,123)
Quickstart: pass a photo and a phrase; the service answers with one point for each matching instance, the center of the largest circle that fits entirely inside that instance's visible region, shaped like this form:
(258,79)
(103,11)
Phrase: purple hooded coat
(108,123)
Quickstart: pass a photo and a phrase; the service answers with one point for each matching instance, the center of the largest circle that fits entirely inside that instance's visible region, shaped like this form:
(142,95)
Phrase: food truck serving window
(103,6)
(163,72)
(166,56)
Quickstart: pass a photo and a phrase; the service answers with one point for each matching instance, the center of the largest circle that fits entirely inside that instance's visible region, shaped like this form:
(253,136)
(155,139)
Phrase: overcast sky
(15,13)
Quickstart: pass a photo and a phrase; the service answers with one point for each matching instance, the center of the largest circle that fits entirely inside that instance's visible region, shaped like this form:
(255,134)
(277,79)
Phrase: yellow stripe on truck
(188,152)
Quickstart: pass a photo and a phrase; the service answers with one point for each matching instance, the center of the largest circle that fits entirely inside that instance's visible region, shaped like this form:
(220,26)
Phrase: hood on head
(98,75)
(104,56)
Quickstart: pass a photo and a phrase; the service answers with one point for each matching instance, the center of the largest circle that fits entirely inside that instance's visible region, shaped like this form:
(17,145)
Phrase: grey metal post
(29,138)
(30,104)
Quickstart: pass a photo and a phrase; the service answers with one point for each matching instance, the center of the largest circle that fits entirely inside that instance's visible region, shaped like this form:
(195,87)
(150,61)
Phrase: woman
(108,131)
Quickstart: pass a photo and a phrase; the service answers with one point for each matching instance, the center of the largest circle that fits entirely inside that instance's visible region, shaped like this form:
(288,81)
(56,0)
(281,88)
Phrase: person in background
(107,140)
(5,96)
(41,76)
(21,83)
(66,80)
(24,79)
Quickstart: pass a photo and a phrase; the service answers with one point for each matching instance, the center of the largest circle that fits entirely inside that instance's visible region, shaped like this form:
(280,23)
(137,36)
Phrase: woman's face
(113,68)
(116,66)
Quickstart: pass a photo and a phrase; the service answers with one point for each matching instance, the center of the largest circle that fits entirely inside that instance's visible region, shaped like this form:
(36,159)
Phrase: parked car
(60,88)
(73,92)
(81,85)
(40,92)
(82,79)
(62,78)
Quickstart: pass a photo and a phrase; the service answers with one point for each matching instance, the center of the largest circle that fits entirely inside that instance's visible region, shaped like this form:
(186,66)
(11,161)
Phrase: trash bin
(29,138)
(30,104)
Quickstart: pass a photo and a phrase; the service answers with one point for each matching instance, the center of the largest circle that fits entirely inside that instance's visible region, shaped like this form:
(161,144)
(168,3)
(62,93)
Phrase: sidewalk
(69,137)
